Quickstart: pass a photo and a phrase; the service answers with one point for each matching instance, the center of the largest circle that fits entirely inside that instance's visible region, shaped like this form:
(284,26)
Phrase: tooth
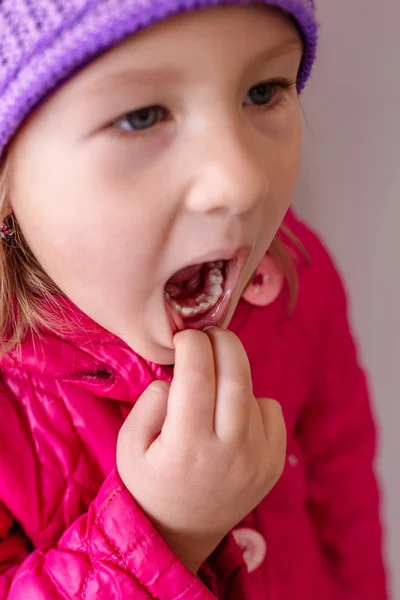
(204,306)
(214,290)
(215,277)
(201,298)
(177,307)
(212,300)
(217,264)
(187,311)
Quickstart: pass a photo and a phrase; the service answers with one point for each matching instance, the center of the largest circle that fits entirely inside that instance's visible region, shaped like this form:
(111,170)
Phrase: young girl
(149,152)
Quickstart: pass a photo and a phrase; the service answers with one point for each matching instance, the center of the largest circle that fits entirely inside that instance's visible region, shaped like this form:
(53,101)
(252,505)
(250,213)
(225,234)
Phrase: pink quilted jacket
(70,529)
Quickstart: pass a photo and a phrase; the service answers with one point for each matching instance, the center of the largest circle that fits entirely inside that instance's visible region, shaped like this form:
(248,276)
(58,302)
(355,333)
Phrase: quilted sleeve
(338,437)
(111,552)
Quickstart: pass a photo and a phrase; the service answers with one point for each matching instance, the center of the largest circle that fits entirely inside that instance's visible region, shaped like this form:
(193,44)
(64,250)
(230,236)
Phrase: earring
(6,233)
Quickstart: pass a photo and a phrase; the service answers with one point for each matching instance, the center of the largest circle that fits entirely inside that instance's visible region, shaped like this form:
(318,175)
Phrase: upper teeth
(209,298)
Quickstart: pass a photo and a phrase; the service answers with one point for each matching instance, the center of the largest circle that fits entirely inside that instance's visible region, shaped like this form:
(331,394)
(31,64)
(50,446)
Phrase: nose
(229,171)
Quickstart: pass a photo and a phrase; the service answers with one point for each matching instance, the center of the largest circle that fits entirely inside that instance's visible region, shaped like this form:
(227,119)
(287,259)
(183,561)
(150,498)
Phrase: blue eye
(263,93)
(139,120)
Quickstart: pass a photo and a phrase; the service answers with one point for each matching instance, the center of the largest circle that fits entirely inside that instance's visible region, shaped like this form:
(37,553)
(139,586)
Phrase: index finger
(191,402)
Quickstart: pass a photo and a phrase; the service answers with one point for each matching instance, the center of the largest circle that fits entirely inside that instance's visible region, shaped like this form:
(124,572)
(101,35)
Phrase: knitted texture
(43,42)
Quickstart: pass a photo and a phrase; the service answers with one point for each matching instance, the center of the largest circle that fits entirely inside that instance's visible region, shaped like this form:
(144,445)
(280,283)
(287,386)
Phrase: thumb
(145,420)
(274,426)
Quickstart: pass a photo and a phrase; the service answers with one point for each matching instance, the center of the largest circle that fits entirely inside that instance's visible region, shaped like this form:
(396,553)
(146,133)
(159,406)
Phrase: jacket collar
(83,353)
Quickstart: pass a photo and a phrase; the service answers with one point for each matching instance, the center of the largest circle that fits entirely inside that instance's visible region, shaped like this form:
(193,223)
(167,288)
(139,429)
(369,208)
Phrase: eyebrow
(290,46)
(149,75)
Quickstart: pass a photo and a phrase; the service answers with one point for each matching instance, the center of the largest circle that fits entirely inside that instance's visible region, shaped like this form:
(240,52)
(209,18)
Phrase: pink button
(266,284)
(253,545)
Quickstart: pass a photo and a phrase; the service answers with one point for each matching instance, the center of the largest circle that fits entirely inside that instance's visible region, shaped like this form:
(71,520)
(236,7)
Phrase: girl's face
(179,147)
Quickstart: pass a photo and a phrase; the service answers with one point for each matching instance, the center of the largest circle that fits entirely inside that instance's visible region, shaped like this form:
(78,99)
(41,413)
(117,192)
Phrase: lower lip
(216,315)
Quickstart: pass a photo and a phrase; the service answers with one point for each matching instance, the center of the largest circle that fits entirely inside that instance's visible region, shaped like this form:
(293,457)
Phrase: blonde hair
(27,292)
(286,262)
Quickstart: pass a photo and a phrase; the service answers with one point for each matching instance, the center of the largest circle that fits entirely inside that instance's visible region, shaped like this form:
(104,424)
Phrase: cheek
(282,148)
(94,241)
(76,240)
(286,162)
(283,168)
(80,207)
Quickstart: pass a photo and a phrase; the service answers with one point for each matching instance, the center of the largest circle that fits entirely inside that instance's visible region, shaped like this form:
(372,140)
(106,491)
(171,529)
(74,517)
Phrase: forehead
(182,40)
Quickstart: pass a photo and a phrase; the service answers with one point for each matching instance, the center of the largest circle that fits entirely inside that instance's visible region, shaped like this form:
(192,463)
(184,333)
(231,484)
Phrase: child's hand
(201,455)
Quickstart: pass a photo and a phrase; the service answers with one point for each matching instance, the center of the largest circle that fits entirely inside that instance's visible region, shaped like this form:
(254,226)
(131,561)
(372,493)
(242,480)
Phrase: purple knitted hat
(43,42)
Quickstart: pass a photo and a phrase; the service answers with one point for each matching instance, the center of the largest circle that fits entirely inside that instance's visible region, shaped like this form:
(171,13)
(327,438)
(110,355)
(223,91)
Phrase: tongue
(185,274)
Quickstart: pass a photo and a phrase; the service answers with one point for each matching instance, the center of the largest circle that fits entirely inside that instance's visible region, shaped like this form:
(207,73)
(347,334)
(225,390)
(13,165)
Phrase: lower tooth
(205,306)
(188,311)
(208,299)
(177,307)
(201,298)
(215,277)
(213,300)
(214,290)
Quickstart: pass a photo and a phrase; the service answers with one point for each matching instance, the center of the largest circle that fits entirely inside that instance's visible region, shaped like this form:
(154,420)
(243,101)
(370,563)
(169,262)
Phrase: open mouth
(199,296)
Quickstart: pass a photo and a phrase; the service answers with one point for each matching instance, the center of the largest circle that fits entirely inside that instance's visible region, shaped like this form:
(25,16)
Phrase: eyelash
(279,86)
